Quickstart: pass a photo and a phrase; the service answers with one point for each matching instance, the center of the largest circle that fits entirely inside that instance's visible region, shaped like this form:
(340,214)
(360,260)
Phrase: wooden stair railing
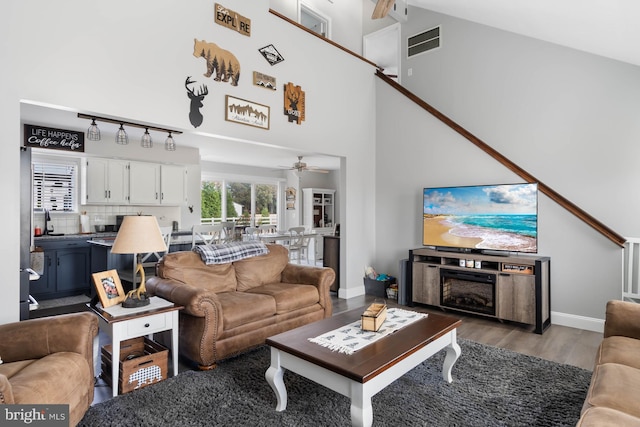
(549,192)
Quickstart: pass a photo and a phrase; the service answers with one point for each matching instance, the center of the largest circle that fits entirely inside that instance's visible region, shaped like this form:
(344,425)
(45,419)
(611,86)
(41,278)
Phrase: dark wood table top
(371,360)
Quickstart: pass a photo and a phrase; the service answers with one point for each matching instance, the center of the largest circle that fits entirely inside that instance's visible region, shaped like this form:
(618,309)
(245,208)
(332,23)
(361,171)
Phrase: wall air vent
(423,42)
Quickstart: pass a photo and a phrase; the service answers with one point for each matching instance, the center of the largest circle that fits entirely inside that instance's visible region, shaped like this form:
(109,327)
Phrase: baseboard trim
(579,322)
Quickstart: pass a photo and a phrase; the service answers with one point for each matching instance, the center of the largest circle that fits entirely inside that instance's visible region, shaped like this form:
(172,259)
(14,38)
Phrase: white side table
(123,324)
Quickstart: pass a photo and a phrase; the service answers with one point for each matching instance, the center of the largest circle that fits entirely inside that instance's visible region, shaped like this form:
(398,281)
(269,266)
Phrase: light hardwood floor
(559,344)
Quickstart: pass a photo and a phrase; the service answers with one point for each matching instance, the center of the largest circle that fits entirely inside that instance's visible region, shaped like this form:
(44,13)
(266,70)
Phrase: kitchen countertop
(86,236)
(90,236)
(106,239)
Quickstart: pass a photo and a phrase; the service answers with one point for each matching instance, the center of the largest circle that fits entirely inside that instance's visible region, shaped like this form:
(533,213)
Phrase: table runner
(350,338)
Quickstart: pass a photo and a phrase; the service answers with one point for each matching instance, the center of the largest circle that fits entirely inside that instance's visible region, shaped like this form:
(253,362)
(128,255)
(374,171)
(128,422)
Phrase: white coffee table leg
(453,352)
(274,376)
(361,409)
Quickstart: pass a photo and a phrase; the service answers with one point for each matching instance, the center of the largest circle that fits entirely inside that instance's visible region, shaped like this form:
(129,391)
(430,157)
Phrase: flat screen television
(481,218)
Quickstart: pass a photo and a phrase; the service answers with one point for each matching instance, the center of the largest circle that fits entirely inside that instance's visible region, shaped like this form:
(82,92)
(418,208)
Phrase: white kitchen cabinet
(144,183)
(107,181)
(172,184)
(318,208)
(153,184)
(121,182)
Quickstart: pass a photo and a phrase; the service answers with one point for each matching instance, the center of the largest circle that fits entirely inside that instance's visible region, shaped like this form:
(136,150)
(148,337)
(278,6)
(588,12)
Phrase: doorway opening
(314,20)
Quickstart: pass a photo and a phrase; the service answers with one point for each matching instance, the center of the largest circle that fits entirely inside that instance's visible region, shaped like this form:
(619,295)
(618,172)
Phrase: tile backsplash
(69,223)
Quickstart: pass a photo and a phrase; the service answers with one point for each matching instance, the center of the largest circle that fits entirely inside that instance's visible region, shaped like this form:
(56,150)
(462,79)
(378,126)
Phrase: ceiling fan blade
(382,8)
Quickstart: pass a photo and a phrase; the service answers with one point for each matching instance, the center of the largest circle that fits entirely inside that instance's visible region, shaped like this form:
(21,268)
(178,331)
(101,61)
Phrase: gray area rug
(491,387)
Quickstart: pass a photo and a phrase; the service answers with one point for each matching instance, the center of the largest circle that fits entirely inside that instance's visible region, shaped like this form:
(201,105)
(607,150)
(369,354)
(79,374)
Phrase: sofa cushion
(263,269)
(40,381)
(607,417)
(288,296)
(10,369)
(239,308)
(618,349)
(612,387)
(187,267)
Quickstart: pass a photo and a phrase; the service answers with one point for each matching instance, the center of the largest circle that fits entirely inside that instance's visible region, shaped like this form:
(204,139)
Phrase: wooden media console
(512,287)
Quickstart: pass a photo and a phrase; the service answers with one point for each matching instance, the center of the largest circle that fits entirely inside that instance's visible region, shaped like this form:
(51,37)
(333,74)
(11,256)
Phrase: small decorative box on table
(142,362)
(374,316)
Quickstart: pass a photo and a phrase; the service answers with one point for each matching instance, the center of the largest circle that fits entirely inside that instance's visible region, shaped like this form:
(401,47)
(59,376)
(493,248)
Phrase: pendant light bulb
(146,140)
(93,133)
(170,143)
(121,136)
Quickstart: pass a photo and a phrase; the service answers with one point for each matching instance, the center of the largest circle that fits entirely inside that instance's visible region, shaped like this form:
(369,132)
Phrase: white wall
(130,60)
(567,117)
(345,16)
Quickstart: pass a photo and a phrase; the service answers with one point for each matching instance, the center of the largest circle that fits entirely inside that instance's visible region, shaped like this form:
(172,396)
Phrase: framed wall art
(271,54)
(109,288)
(246,112)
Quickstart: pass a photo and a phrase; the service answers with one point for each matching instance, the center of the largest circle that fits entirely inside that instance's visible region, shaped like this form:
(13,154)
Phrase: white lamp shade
(139,234)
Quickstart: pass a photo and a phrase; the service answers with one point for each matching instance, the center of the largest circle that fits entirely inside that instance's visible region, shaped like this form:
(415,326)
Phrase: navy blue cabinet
(66,269)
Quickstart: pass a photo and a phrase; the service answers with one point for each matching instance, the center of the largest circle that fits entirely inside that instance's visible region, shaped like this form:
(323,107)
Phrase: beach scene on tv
(488,217)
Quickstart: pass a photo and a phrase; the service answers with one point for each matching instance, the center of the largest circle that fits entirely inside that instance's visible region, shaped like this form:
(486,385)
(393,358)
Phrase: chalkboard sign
(55,139)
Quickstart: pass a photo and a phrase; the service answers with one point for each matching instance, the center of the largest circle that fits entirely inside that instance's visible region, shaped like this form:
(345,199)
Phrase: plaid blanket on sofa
(229,252)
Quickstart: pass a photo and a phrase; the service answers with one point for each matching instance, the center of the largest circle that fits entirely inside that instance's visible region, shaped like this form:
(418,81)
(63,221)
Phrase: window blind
(54,187)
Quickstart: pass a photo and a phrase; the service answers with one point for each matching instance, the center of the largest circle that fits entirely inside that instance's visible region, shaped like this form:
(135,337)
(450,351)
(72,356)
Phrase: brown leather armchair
(49,361)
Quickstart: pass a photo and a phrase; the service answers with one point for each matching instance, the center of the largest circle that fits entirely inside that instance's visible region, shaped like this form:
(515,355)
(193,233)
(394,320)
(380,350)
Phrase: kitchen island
(66,262)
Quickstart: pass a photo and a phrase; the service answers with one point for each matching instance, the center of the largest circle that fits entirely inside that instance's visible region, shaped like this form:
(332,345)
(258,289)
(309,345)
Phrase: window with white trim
(54,186)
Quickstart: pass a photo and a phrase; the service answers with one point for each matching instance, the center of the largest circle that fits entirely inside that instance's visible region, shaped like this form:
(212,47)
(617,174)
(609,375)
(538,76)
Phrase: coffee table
(367,371)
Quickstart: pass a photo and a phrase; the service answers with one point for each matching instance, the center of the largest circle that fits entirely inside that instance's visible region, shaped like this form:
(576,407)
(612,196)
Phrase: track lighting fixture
(121,135)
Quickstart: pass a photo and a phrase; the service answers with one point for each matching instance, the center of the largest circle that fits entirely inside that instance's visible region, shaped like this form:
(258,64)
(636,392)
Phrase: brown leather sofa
(49,361)
(612,399)
(232,307)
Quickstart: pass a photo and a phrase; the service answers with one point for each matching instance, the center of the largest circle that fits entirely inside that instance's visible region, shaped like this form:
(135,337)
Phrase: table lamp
(137,235)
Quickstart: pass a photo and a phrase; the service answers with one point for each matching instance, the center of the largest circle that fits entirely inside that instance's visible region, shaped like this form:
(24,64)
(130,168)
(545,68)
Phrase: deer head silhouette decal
(195,116)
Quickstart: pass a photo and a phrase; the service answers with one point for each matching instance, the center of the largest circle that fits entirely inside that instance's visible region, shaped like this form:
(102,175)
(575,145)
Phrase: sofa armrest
(37,338)
(623,319)
(321,277)
(6,392)
(196,301)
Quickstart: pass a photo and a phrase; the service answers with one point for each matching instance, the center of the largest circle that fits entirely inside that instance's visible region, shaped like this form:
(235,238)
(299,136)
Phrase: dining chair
(228,231)
(298,244)
(166,236)
(206,234)
(252,233)
(268,229)
(148,260)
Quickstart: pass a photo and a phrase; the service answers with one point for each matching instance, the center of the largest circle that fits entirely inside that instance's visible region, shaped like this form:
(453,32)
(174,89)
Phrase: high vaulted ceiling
(609,28)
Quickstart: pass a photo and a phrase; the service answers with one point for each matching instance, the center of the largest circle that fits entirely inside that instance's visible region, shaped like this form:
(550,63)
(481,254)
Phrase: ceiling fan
(382,8)
(301,166)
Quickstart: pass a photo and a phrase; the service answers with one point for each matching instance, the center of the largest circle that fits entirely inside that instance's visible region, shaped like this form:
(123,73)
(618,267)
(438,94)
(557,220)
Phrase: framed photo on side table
(109,288)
